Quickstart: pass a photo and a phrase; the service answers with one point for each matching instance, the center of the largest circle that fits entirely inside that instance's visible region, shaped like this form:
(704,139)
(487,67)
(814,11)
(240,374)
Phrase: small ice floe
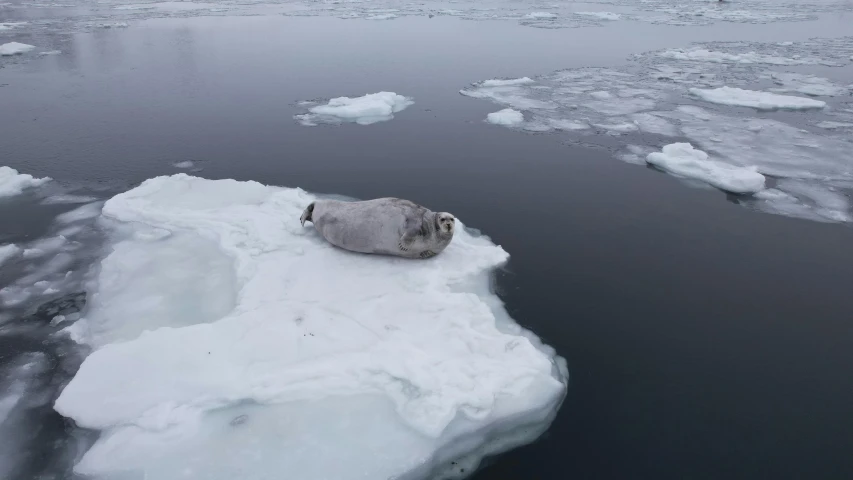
(364,110)
(507,117)
(682,160)
(14,48)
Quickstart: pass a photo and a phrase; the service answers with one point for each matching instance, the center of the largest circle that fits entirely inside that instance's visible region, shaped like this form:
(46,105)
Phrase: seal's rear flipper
(306,215)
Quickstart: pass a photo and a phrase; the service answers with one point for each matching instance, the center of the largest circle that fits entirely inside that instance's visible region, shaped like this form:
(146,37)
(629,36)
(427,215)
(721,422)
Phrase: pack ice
(231,342)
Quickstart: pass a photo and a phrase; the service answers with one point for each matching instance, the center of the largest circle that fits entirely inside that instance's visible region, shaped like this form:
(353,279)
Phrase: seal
(387,226)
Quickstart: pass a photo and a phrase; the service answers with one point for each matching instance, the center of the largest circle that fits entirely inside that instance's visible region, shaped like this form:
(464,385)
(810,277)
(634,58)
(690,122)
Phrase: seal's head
(444,223)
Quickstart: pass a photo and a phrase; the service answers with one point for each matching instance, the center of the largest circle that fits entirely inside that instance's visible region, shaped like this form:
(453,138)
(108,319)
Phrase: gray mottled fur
(389,226)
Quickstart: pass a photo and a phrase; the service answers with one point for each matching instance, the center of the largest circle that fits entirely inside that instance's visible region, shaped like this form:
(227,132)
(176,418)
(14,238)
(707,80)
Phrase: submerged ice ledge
(219,320)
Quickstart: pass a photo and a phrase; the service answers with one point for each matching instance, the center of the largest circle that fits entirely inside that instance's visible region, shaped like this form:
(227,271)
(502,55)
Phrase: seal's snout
(307,215)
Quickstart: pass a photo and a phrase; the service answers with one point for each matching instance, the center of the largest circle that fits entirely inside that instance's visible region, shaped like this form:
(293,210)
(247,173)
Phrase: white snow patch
(601,15)
(507,117)
(8,251)
(756,99)
(540,15)
(14,183)
(364,110)
(683,160)
(14,48)
(497,82)
(316,354)
(705,55)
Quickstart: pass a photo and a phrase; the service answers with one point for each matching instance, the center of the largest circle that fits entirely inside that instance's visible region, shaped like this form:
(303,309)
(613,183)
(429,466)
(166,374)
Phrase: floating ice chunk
(683,160)
(14,48)
(364,110)
(8,251)
(498,82)
(381,16)
(51,52)
(601,95)
(755,99)
(13,183)
(704,55)
(134,7)
(90,210)
(184,164)
(601,15)
(77,332)
(834,125)
(540,15)
(507,117)
(324,354)
(11,25)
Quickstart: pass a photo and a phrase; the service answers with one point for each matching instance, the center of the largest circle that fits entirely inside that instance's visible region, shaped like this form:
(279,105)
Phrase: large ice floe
(230,342)
(13,182)
(364,110)
(799,167)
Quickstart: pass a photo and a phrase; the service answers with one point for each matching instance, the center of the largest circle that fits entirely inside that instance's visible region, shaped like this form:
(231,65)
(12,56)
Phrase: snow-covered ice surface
(506,117)
(665,97)
(683,160)
(13,182)
(15,48)
(220,324)
(754,99)
(364,110)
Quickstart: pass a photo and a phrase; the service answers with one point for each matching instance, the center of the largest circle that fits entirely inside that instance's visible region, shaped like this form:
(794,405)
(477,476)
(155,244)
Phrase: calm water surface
(704,340)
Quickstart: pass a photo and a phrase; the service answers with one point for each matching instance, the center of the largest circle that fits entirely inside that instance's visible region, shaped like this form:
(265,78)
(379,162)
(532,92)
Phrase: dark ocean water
(703,340)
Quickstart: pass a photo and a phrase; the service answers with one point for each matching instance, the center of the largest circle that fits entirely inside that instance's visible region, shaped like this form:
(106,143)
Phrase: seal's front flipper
(307,214)
(407,240)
